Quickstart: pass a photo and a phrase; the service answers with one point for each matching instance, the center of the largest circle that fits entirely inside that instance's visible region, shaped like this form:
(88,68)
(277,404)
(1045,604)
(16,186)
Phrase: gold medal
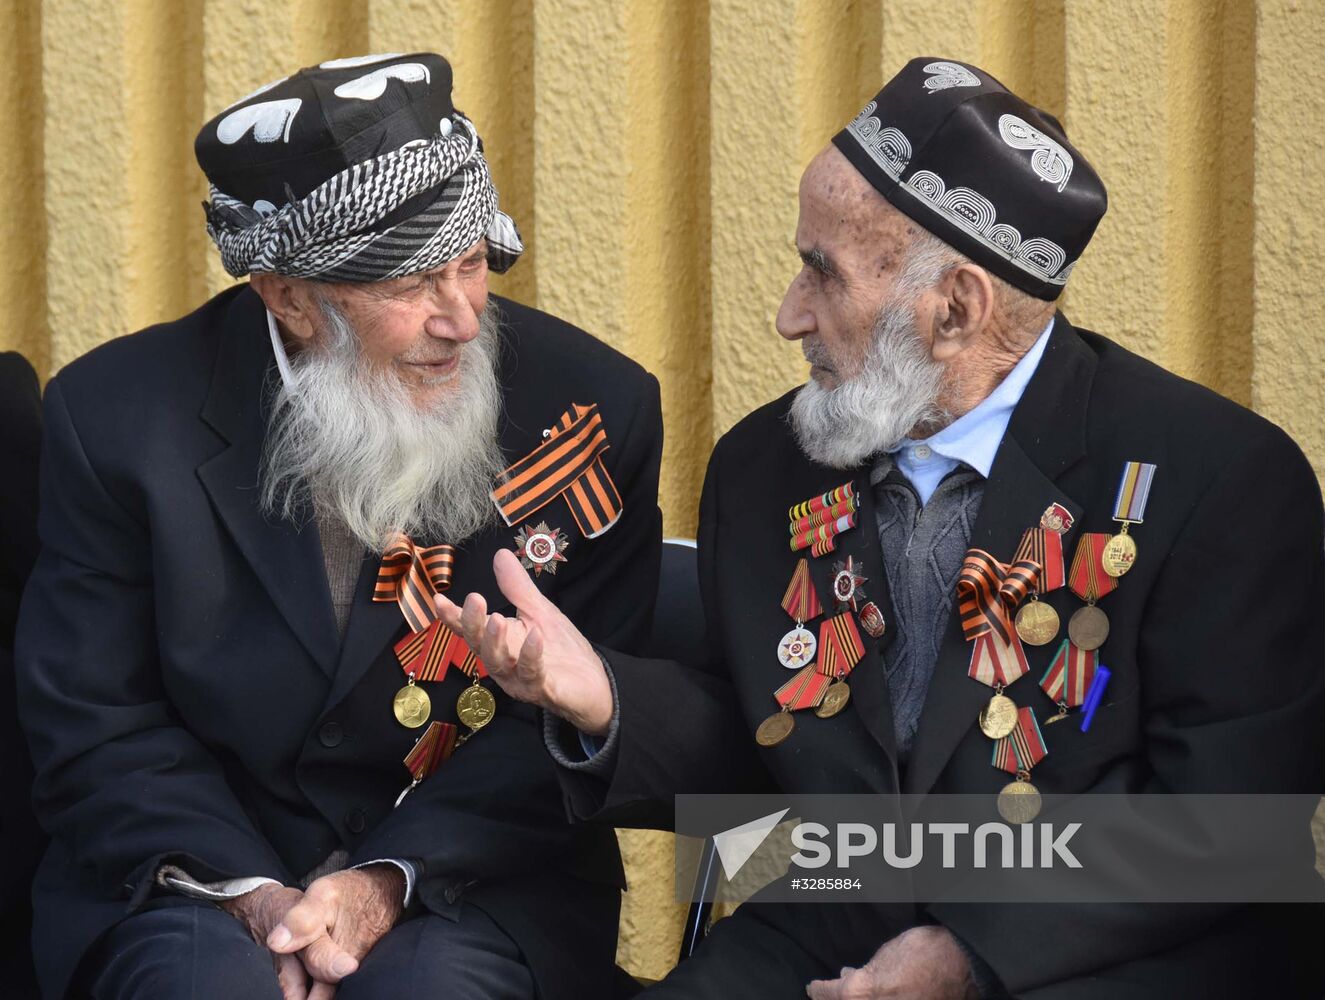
(999,717)
(1119,554)
(1088,628)
(774,729)
(412,706)
(476,706)
(1037,623)
(835,699)
(1019,801)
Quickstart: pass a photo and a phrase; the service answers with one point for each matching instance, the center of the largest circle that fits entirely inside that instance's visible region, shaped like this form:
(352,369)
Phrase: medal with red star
(847,581)
(540,547)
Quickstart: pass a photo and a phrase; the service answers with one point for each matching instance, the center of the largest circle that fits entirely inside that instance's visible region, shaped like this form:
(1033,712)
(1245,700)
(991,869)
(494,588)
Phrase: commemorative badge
(541,548)
(1037,622)
(1129,508)
(1088,627)
(816,523)
(1069,678)
(871,620)
(1017,753)
(798,646)
(987,593)
(1057,518)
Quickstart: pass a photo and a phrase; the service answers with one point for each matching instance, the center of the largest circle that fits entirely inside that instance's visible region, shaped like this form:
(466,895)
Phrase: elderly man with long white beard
(1020,558)
(267,768)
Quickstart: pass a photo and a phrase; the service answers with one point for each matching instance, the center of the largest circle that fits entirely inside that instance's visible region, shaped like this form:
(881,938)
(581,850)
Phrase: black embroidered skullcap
(981,169)
(354,170)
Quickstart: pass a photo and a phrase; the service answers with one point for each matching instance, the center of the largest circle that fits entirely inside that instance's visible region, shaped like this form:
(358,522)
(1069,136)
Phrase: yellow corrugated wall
(650,151)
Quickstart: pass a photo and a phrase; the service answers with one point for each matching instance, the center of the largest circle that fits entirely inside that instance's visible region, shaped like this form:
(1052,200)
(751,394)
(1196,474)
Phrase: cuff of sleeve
(582,752)
(407,869)
(177,880)
(987,983)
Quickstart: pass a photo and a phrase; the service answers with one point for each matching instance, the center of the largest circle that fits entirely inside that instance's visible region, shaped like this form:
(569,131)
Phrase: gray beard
(348,439)
(896,390)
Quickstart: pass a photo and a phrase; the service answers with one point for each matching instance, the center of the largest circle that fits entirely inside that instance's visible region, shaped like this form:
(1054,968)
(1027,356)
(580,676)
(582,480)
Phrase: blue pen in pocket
(1094,696)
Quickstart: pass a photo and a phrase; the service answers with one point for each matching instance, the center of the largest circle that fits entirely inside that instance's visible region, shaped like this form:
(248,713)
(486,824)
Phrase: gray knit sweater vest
(923,549)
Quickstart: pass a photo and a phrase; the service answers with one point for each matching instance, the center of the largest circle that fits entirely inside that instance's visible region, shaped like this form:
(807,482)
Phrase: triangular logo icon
(735,846)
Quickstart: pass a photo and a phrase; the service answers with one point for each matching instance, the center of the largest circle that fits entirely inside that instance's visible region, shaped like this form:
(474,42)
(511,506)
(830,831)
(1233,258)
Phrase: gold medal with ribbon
(988,592)
(840,649)
(1129,508)
(1037,623)
(1088,628)
(798,646)
(1017,753)
(1069,677)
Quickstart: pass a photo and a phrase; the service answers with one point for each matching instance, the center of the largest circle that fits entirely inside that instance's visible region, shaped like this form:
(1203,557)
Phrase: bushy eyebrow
(819,261)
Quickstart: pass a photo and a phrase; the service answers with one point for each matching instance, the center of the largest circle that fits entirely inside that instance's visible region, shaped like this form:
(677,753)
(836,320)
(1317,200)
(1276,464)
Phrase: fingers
(518,586)
(529,664)
(824,989)
(322,991)
(291,977)
(328,962)
(302,924)
(448,611)
(473,618)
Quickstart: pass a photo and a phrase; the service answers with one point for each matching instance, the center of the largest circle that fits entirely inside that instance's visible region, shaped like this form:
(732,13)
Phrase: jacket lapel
(1045,436)
(287,558)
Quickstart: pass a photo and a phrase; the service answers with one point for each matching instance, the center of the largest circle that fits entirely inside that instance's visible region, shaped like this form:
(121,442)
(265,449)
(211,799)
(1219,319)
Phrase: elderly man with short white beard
(979,552)
(268,769)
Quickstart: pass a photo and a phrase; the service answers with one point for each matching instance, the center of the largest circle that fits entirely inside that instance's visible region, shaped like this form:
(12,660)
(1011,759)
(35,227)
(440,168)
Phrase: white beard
(349,438)
(896,390)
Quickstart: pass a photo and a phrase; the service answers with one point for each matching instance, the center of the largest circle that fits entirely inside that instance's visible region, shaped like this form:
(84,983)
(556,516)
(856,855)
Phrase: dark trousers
(194,951)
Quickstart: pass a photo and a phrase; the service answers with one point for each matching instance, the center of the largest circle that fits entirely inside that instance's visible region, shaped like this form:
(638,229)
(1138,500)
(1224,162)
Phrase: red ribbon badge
(800,601)
(1024,748)
(1087,577)
(431,750)
(805,689)
(1045,548)
(840,645)
(1069,675)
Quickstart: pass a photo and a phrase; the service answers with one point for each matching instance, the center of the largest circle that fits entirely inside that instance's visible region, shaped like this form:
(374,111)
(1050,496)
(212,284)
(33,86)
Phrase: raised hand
(260,911)
(339,919)
(538,657)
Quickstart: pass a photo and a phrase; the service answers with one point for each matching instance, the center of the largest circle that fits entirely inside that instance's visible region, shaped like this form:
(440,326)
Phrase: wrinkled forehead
(841,210)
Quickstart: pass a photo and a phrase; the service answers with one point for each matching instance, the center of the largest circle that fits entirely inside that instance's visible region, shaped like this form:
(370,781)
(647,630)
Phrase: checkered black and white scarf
(334,233)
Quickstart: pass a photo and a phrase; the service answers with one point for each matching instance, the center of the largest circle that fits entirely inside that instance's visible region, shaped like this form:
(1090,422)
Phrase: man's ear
(289,301)
(968,304)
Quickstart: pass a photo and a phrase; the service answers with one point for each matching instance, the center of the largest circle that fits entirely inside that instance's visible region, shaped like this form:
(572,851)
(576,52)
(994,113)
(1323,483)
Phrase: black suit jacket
(21,840)
(1217,683)
(183,690)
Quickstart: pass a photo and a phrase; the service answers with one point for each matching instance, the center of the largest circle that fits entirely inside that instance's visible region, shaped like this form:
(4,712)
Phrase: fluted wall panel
(650,151)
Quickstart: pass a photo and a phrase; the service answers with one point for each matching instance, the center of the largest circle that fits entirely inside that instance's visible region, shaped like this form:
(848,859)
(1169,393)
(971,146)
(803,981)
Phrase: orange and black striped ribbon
(1024,748)
(989,591)
(1044,548)
(840,645)
(800,601)
(1069,675)
(431,749)
(1087,577)
(427,655)
(570,464)
(804,690)
(412,576)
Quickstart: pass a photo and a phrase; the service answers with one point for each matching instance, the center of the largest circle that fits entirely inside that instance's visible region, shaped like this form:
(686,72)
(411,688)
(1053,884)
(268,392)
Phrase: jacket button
(331,734)
(355,821)
(452,893)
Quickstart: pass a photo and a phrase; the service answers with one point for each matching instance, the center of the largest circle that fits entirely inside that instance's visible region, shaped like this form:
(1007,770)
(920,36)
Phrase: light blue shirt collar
(973,438)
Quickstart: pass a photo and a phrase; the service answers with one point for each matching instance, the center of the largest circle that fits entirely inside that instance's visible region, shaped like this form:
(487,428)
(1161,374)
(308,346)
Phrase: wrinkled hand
(539,656)
(339,919)
(924,963)
(260,911)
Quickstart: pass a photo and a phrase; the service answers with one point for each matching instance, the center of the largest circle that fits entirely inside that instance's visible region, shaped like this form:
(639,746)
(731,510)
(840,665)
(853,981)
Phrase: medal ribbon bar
(569,463)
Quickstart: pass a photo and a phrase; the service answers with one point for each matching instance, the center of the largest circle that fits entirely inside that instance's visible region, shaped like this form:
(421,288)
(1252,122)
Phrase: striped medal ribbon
(1018,753)
(1129,508)
(1037,623)
(987,592)
(1069,677)
(569,463)
(429,752)
(798,646)
(840,649)
(1089,626)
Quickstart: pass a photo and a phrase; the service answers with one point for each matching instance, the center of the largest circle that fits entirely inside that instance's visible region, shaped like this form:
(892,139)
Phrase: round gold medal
(1088,628)
(774,729)
(1019,801)
(1037,623)
(1119,554)
(412,706)
(835,699)
(476,706)
(999,717)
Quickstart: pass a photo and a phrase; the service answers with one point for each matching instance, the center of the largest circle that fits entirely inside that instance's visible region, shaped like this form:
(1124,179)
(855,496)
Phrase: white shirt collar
(974,437)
